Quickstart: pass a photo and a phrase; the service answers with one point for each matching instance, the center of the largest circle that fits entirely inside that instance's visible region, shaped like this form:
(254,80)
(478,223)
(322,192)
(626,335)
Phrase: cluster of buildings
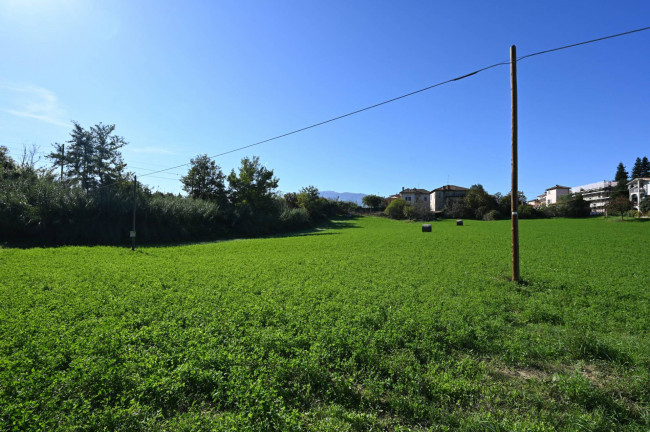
(436,199)
(596,194)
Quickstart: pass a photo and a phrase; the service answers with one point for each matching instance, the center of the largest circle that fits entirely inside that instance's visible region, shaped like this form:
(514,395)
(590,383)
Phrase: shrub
(409,212)
(458,210)
(296,218)
(492,215)
(525,211)
(395,209)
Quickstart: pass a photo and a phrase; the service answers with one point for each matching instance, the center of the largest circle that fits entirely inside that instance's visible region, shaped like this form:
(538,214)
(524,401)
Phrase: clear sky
(182,78)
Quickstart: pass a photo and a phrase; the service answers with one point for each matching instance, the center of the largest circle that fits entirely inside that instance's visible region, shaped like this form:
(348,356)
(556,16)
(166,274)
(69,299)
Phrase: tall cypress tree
(621,182)
(637,169)
(645,167)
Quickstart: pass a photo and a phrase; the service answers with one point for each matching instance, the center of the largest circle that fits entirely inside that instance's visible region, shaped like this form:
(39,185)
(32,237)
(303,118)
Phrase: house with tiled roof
(444,196)
(414,195)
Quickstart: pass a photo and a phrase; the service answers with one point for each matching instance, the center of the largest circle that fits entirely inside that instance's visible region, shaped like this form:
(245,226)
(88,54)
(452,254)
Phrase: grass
(367,325)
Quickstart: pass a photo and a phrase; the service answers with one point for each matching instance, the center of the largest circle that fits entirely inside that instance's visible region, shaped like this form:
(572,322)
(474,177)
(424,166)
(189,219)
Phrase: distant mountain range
(343,196)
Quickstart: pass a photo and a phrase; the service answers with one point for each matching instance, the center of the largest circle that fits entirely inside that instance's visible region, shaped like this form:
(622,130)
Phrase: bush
(395,209)
(296,218)
(409,212)
(458,210)
(492,215)
(525,211)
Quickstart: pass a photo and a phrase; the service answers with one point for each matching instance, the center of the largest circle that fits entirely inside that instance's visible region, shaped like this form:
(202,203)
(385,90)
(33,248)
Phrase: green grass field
(367,325)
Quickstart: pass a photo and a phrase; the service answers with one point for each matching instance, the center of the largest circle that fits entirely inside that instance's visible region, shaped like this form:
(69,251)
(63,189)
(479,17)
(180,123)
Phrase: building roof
(558,187)
(594,186)
(643,179)
(414,190)
(450,188)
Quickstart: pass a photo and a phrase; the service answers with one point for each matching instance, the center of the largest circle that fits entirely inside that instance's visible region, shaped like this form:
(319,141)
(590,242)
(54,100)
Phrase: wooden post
(514,200)
(132,234)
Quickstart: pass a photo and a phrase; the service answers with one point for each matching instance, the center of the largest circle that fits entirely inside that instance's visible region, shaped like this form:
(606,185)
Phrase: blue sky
(192,77)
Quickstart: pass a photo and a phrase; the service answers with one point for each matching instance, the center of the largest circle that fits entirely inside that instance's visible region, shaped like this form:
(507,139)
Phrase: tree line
(479,204)
(86,196)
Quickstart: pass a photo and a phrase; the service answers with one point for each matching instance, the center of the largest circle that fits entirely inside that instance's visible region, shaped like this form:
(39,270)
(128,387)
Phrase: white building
(638,188)
(596,194)
(414,195)
(553,193)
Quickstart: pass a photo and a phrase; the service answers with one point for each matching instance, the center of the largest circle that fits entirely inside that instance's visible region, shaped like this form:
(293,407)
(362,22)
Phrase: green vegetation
(367,325)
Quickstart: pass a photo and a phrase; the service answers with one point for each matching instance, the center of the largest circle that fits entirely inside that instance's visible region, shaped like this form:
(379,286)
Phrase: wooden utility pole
(135,186)
(514,200)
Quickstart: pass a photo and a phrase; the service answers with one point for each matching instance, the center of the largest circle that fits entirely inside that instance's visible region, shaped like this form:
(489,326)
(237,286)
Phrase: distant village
(596,194)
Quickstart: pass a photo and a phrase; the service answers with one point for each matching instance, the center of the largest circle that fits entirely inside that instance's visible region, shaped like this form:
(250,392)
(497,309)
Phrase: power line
(405,96)
(582,43)
(396,99)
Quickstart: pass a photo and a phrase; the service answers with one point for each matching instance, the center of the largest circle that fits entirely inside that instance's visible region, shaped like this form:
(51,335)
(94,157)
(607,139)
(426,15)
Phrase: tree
(6,161)
(645,167)
(92,157)
(637,169)
(291,199)
(374,202)
(620,204)
(205,180)
(573,206)
(254,185)
(309,199)
(395,209)
(503,202)
(621,182)
(109,165)
(478,201)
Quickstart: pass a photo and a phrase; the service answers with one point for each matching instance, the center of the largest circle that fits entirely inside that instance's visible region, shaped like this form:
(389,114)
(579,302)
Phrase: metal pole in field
(135,185)
(514,199)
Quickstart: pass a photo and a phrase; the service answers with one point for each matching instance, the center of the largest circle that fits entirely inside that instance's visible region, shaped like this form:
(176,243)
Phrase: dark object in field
(426,227)
(459,222)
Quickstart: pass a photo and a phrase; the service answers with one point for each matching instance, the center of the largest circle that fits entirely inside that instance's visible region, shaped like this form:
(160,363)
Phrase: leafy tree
(395,210)
(525,211)
(421,211)
(6,162)
(309,199)
(205,180)
(374,202)
(637,169)
(92,157)
(503,202)
(458,209)
(478,201)
(573,206)
(291,199)
(253,186)
(621,178)
(620,204)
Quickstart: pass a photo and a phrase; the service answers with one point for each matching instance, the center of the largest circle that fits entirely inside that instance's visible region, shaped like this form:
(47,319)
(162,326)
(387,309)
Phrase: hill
(343,196)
